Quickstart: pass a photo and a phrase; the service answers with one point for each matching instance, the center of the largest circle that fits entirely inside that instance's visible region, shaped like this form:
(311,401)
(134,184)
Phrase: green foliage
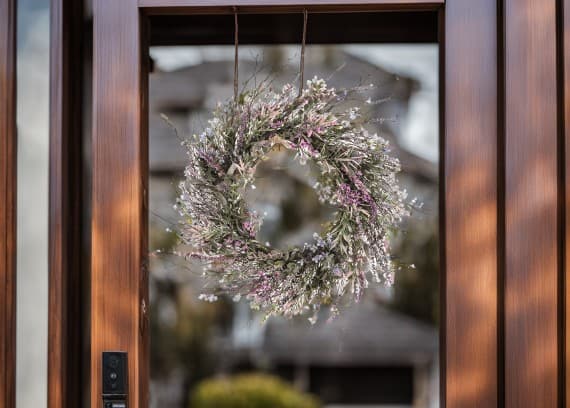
(249,391)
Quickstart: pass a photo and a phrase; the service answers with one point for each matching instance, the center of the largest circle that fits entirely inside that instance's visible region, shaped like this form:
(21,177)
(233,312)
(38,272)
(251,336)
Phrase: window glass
(32,184)
(382,352)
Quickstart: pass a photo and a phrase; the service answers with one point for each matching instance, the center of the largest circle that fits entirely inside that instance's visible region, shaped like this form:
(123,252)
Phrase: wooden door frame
(8,160)
(469,204)
(469,184)
(502,329)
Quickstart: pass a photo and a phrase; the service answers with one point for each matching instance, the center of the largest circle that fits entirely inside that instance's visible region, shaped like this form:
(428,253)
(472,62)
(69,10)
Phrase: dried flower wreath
(358,176)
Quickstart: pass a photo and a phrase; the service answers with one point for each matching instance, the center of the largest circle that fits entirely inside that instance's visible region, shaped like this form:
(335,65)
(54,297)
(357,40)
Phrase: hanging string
(236,55)
(302,66)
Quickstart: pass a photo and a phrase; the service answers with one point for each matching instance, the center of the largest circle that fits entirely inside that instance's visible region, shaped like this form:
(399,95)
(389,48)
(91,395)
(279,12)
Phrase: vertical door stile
(470,253)
(531,203)
(119,219)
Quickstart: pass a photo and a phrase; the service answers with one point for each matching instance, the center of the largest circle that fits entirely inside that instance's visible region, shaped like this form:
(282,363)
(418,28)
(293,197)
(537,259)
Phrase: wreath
(357,176)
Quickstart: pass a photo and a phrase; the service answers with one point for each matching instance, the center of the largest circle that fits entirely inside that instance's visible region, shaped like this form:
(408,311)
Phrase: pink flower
(249,227)
(308,148)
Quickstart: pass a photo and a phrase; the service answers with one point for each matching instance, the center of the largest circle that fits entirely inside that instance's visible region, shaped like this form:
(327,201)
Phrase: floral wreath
(358,177)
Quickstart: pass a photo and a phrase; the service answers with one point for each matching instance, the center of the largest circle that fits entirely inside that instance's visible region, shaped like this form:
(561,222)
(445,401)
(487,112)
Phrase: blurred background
(382,352)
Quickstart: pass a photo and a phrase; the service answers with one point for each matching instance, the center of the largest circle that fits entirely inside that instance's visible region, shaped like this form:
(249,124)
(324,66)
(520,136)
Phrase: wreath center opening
(283,192)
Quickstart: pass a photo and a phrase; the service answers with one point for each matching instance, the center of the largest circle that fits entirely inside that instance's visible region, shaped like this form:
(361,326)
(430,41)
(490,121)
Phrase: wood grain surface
(531,199)
(8,155)
(469,199)
(119,286)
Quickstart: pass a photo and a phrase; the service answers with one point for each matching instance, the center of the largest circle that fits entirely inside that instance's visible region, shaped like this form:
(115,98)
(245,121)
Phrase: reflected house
(369,355)
(373,355)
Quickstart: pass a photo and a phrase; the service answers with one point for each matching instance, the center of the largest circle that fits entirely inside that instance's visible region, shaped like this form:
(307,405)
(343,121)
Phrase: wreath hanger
(236,54)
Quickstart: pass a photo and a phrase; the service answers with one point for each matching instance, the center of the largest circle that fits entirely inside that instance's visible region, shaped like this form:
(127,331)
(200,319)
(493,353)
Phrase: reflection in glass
(382,352)
(32,185)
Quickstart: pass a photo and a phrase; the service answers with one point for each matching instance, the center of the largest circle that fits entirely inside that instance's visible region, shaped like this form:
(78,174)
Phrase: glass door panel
(381,352)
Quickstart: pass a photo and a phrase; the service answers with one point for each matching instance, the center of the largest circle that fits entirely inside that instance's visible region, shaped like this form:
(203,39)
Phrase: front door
(470,179)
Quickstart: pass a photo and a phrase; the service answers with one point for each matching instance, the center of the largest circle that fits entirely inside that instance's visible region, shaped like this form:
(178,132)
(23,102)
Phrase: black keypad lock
(115,385)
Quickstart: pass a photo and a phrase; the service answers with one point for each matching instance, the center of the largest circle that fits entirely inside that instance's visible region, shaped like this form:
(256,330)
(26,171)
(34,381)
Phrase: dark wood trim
(365,27)
(564,98)
(294,4)
(470,204)
(531,205)
(65,205)
(119,268)
(173,7)
(501,205)
(8,158)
